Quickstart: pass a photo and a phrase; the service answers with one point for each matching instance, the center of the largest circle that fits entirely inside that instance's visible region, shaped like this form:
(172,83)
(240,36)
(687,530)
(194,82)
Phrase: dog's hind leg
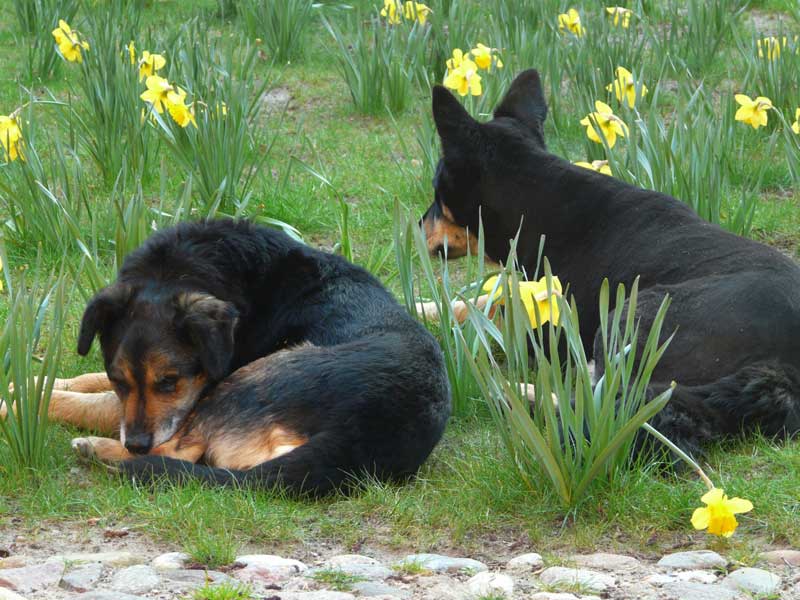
(763,397)
(86,383)
(101,411)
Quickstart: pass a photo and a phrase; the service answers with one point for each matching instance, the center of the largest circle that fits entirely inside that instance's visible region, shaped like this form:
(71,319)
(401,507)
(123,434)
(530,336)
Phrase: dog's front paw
(84,448)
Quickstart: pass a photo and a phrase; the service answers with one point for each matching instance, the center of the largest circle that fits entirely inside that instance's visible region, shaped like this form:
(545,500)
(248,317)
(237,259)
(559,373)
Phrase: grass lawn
(323,155)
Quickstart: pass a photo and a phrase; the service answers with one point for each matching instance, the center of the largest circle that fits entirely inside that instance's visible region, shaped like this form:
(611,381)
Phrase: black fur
(369,390)
(735,302)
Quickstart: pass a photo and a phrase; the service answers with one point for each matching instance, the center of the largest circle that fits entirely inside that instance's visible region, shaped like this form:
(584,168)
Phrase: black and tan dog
(236,354)
(735,302)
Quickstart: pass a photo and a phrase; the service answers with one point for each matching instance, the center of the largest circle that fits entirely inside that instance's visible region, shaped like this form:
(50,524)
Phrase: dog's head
(480,174)
(161,349)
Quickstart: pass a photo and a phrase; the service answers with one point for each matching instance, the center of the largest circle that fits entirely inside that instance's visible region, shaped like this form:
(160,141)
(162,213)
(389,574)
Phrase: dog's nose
(139,443)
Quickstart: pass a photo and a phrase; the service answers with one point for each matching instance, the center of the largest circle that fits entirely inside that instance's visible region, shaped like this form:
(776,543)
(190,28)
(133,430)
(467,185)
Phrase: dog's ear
(455,125)
(209,323)
(107,306)
(525,102)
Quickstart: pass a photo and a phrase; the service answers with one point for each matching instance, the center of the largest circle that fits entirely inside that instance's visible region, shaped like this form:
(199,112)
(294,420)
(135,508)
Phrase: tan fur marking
(459,239)
(236,451)
(87,383)
(190,447)
(97,411)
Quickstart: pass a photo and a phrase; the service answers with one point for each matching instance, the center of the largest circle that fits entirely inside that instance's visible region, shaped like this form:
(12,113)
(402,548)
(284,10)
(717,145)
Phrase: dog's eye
(167,384)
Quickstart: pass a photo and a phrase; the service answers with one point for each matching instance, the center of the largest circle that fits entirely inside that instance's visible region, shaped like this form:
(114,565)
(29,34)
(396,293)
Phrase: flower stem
(685,457)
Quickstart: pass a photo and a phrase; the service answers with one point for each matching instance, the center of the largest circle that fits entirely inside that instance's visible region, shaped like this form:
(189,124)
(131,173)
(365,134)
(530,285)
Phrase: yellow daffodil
(770,47)
(11,138)
(180,113)
(606,122)
(416,11)
(150,63)
(132,53)
(601,166)
(533,294)
(753,112)
(390,11)
(625,87)
(69,42)
(157,92)
(455,62)
(718,514)
(570,21)
(484,57)
(463,78)
(796,124)
(620,15)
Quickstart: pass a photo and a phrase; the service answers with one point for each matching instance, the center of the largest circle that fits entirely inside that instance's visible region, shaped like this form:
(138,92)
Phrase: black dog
(271,362)
(735,302)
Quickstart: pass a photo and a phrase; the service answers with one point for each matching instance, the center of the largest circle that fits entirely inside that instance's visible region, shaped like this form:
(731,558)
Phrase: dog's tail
(762,397)
(313,469)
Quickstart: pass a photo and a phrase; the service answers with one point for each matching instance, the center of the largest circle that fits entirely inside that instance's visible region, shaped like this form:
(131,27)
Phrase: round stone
(491,584)
(170,561)
(83,578)
(267,569)
(686,590)
(319,595)
(33,577)
(782,558)
(444,564)
(112,559)
(590,580)
(526,562)
(376,589)
(355,565)
(754,581)
(694,559)
(606,561)
(137,579)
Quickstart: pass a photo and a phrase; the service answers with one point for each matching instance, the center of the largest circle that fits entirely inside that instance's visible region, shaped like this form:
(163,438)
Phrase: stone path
(124,575)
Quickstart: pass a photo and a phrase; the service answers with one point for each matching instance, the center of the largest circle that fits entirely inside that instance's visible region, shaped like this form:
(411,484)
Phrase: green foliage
(224,151)
(695,31)
(773,66)
(336,580)
(577,431)
(208,548)
(105,110)
(589,433)
(37,19)
(379,62)
(457,339)
(281,26)
(29,366)
(41,194)
(222,591)
(89,216)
